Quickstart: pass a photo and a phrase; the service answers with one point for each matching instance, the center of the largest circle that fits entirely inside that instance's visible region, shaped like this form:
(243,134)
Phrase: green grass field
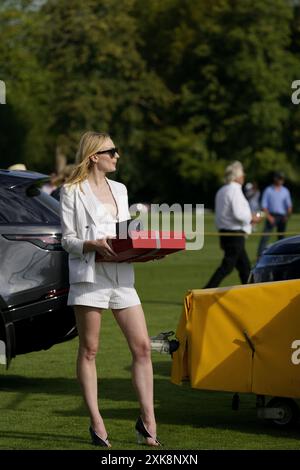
(41,405)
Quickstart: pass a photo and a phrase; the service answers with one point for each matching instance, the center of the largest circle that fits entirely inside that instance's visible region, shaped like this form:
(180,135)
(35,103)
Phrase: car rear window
(27,205)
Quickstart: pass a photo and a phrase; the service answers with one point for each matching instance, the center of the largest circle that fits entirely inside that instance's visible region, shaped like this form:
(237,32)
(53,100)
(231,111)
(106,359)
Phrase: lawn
(41,405)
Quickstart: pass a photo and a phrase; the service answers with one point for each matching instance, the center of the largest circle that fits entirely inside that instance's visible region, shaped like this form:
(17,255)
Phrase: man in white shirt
(233,215)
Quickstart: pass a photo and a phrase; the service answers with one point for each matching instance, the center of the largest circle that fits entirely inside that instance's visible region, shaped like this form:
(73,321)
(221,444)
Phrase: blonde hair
(90,143)
(233,171)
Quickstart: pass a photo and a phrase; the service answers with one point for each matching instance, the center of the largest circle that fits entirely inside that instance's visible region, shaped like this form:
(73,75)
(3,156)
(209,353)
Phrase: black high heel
(97,440)
(142,433)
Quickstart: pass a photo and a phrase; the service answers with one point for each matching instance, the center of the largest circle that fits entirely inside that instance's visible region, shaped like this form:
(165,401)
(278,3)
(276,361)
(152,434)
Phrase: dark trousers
(280,224)
(235,256)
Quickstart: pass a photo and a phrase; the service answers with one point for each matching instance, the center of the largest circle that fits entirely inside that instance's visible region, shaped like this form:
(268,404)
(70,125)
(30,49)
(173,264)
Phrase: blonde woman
(91,204)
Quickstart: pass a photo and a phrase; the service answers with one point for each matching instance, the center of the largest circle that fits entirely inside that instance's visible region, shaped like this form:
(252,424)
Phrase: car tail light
(48,241)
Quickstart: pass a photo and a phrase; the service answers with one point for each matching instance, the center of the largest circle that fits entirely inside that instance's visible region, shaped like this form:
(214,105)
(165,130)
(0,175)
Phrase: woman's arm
(101,246)
(70,241)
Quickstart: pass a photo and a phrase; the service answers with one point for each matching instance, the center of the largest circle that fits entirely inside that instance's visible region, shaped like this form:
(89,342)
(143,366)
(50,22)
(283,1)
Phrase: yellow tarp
(219,328)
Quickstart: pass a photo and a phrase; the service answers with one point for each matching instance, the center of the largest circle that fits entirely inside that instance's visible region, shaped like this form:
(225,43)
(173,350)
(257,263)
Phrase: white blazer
(84,218)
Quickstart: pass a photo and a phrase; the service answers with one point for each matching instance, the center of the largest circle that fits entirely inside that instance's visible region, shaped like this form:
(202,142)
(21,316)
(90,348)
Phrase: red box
(145,245)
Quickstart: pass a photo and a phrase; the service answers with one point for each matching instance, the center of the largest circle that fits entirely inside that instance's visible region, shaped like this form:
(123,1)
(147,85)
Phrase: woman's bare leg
(132,323)
(88,320)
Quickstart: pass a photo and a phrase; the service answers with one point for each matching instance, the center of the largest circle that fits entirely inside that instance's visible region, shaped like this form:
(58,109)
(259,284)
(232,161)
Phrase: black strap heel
(142,433)
(97,440)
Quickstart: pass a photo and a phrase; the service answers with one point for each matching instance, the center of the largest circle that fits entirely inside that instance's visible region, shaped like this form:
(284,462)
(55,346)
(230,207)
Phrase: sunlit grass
(42,408)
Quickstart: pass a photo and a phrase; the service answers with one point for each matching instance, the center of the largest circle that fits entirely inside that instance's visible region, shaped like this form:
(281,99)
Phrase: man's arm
(264,206)
(289,203)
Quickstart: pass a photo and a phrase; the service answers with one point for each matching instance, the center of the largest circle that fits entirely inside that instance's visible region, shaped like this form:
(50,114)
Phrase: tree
(24,117)
(100,79)
(183,86)
(230,67)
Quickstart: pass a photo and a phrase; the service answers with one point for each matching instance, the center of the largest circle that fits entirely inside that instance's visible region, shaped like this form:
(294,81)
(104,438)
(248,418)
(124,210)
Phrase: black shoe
(97,440)
(142,433)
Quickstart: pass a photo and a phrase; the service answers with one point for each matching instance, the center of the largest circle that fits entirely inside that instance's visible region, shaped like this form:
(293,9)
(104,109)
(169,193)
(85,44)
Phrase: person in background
(252,194)
(277,205)
(61,179)
(50,185)
(233,216)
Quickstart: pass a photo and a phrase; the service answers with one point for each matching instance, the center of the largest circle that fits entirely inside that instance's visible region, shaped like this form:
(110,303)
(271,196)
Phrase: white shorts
(114,288)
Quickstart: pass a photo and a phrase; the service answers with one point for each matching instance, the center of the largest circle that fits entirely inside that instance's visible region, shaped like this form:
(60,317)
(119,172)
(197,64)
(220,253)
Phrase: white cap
(17,166)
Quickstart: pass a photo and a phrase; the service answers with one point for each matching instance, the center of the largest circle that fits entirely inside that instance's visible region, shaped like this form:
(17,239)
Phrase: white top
(232,208)
(110,220)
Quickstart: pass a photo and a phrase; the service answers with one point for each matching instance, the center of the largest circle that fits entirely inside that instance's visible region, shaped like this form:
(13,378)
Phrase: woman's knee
(88,352)
(142,349)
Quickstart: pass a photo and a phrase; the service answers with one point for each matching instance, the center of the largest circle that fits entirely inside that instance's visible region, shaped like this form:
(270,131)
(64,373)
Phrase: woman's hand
(103,247)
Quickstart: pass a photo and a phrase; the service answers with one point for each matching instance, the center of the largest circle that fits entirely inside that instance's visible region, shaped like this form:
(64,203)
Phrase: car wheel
(290,411)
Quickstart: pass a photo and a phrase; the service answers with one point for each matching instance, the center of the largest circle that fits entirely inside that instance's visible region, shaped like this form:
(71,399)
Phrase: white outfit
(232,208)
(84,217)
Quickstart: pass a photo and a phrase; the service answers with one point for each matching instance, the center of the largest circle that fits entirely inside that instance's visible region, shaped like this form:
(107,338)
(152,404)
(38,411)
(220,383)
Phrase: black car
(279,262)
(34,271)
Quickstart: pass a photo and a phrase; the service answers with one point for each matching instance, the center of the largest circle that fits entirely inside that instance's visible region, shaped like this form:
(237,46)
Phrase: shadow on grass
(160,368)
(42,436)
(175,405)
(162,302)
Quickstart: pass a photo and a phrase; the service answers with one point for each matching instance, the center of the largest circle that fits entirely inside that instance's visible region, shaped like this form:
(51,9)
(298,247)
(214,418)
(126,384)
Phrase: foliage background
(183,86)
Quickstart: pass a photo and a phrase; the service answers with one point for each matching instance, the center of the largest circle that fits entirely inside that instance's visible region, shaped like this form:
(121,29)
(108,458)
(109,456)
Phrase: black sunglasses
(110,152)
